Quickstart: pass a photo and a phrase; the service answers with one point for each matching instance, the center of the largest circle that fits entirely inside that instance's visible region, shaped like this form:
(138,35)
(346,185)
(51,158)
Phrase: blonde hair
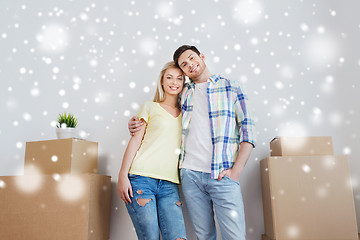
(160,94)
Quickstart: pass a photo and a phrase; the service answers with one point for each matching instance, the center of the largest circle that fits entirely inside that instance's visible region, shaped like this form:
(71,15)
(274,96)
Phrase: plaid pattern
(230,120)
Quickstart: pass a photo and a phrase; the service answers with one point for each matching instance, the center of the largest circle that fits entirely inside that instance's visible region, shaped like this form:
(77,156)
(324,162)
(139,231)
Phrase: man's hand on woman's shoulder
(134,125)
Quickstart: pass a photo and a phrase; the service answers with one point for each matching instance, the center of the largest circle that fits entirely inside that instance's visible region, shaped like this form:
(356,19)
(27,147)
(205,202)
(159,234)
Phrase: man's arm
(244,154)
(247,135)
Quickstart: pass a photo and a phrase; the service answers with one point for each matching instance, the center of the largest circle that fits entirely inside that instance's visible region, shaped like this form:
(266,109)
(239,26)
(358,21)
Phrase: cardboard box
(308,197)
(264,237)
(301,146)
(61,156)
(36,207)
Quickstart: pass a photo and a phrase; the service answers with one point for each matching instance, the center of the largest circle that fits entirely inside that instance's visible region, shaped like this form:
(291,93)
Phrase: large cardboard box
(301,146)
(308,197)
(43,207)
(61,156)
(264,237)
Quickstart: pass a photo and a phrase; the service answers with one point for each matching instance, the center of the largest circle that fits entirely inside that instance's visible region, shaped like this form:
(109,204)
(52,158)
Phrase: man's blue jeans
(203,195)
(156,204)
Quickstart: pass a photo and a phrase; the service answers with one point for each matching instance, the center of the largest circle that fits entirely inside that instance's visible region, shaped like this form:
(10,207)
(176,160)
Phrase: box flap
(301,146)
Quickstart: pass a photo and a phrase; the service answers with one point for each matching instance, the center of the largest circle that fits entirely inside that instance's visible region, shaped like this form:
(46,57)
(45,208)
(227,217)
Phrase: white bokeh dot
(177,151)
(346,150)
(56,70)
(234,214)
(279,85)
(62,92)
(22,70)
(248,12)
(127,113)
(321,29)
(54,158)
(134,105)
(150,63)
(306,168)
(27,116)
(71,188)
(34,92)
(56,177)
(19,145)
(146,89)
(132,84)
(254,41)
(317,111)
(65,105)
(53,123)
(31,182)
(293,231)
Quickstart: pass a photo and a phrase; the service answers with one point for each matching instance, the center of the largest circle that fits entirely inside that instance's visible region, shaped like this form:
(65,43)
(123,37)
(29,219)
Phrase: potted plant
(66,126)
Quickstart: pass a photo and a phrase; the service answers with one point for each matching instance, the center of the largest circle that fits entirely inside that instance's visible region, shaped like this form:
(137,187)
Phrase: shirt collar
(214,78)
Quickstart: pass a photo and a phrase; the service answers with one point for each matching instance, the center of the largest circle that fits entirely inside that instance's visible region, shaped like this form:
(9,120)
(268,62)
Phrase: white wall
(299,62)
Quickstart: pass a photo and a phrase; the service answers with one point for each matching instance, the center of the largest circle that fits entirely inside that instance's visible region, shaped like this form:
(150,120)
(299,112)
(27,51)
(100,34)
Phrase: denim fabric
(203,195)
(162,211)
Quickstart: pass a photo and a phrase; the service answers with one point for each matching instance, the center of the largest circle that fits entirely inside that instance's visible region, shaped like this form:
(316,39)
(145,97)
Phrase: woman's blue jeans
(156,205)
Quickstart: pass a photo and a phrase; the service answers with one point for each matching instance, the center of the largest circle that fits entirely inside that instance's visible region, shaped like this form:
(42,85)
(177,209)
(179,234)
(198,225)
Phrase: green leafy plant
(69,120)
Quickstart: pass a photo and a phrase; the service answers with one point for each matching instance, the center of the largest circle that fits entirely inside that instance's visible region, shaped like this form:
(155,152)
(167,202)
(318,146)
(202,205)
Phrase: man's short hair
(182,49)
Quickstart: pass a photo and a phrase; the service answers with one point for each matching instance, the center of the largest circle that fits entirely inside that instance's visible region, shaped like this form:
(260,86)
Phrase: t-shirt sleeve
(144,112)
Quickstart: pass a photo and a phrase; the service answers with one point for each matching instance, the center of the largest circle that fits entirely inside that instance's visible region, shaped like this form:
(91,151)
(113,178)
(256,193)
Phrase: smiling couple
(207,122)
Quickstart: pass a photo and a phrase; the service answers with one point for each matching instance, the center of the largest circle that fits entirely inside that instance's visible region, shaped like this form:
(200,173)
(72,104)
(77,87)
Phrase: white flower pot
(65,133)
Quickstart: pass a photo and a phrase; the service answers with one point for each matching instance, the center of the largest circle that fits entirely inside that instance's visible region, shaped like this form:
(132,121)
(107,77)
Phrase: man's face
(192,64)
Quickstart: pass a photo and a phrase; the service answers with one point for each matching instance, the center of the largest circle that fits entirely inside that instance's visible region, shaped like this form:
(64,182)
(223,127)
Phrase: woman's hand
(124,189)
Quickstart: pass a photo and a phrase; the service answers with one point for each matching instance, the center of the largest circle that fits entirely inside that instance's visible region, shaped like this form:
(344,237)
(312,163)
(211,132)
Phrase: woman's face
(173,81)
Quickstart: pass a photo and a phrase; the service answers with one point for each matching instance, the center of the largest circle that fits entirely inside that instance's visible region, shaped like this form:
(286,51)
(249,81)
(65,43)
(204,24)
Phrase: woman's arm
(124,186)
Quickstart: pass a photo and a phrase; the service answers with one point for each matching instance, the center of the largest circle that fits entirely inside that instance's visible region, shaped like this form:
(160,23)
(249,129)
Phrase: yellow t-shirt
(158,155)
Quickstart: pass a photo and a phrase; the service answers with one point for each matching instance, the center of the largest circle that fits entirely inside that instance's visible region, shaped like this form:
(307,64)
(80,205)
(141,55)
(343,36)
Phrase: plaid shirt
(230,120)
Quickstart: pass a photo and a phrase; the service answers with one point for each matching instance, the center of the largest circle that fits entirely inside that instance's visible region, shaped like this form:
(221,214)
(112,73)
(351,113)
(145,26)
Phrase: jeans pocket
(231,180)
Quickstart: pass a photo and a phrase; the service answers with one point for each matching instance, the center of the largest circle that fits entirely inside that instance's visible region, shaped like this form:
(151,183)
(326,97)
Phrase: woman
(148,177)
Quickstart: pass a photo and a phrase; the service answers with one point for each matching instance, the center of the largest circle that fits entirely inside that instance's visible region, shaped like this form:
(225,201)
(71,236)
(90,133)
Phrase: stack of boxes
(61,196)
(307,191)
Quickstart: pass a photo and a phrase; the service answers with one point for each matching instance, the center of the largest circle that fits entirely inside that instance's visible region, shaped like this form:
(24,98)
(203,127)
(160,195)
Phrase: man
(217,140)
